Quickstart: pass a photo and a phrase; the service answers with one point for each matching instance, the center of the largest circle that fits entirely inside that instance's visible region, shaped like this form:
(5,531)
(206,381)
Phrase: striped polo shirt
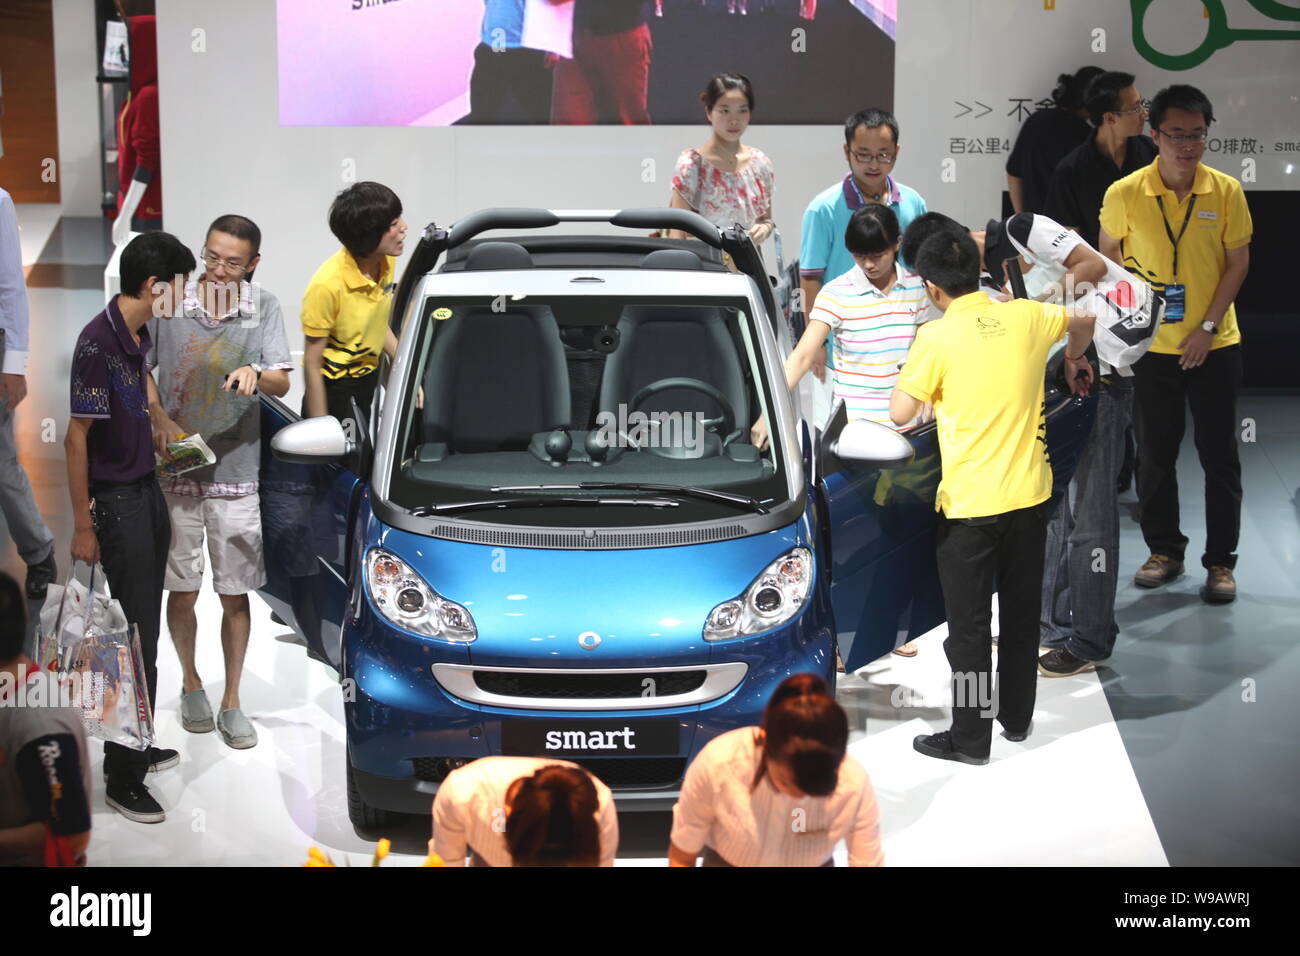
(873,331)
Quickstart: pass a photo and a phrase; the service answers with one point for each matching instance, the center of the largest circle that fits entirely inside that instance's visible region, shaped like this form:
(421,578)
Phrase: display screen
(577,62)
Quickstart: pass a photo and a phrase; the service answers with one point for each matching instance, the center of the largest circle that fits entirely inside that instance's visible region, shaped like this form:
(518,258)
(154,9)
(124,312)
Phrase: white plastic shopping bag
(86,639)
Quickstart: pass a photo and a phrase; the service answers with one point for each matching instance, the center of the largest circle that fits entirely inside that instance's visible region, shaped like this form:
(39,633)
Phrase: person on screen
(345,307)
(511,84)
(608,79)
(783,794)
(524,811)
(724,180)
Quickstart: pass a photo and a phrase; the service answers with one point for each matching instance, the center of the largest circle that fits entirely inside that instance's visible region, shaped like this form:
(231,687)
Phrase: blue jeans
(1079,581)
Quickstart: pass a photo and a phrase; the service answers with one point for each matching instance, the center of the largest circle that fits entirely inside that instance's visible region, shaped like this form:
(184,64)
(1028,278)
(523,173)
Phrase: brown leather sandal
(906,650)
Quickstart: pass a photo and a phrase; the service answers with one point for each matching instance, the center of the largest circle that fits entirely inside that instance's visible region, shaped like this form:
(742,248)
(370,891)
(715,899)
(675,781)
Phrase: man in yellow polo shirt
(345,308)
(1186,229)
(981,366)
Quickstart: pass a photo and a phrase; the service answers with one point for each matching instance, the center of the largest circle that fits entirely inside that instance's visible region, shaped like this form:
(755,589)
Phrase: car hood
(531,605)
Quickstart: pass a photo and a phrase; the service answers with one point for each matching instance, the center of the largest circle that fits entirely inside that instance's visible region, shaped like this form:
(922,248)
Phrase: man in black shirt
(1115,149)
(608,79)
(1044,139)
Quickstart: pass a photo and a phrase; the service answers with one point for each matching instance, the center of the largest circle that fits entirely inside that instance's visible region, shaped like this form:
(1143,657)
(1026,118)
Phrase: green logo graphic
(1218,36)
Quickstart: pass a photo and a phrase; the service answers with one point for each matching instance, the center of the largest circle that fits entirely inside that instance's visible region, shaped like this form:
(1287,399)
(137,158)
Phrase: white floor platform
(267,805)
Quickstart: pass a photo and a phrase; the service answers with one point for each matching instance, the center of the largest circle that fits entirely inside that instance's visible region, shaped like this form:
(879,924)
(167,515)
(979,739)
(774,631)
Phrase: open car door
(307,513)
(881,526)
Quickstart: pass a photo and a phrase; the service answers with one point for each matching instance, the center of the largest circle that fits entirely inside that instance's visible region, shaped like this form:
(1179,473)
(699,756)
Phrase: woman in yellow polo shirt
(345,307)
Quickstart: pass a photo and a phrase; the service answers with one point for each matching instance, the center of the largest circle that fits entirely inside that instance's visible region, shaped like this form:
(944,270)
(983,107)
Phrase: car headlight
(403,597)
(776,595)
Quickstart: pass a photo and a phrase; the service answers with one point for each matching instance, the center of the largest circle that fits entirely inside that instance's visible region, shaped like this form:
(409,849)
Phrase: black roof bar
(432,244)
(691,223)
(733,240)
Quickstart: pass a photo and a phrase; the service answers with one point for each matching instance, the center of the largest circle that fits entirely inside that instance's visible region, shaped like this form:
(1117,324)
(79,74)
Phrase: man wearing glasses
(1186,229)
(227,344)
(871,150)
(1115,149)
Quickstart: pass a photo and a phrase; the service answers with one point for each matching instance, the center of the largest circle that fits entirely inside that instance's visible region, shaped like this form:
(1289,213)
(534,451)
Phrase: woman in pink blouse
(783,794)
(724,180)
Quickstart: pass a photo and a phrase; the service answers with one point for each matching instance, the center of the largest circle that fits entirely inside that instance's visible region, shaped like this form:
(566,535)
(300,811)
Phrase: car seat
(659,342)
(494,379)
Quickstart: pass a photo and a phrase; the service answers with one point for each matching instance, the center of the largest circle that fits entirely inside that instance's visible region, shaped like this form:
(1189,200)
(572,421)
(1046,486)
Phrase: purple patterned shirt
(108,385)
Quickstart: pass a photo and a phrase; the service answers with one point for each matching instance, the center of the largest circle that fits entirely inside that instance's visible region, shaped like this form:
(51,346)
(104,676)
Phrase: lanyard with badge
(1175,292)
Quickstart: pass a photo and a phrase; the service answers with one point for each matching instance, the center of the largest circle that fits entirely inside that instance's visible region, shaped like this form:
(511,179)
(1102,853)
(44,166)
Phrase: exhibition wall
(75,92)
(969,71)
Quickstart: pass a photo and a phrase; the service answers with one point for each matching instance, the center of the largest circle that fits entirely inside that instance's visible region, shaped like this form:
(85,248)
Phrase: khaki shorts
(234,532)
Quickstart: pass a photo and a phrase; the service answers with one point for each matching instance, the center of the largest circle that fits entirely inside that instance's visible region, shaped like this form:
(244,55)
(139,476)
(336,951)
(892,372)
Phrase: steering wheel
(724,424)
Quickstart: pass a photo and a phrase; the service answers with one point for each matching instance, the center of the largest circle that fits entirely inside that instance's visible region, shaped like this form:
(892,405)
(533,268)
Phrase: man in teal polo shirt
(871,150)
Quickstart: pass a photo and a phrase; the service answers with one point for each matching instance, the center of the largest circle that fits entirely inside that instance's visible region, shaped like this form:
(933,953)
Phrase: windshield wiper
(538,501)
(686,491)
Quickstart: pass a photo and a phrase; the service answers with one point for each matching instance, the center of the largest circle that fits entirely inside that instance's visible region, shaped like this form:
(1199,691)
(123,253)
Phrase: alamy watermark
(49,688)
(966,689)
(636,429)
(220,299)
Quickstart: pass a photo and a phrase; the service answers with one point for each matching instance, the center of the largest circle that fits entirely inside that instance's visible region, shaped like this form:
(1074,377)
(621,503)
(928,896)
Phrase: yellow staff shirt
(347,307)
(1220,220)
(982,366)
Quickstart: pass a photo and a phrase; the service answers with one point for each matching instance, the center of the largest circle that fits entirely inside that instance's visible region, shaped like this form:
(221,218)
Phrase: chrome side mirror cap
(312,441)
(873,444)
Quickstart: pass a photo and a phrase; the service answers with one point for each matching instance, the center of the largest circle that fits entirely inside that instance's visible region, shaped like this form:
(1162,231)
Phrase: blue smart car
(554,536)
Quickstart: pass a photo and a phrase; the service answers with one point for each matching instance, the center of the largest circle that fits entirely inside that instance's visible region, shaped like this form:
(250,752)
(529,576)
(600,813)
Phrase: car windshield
(592,410)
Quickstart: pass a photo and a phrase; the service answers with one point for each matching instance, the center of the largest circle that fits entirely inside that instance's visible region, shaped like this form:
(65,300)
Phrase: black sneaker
(940,745)
(1061,663)
(135,802)
(39,576)
(1015,736)
(160,759)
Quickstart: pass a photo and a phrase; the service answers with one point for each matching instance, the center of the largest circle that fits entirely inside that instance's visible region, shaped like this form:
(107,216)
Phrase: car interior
(591,386)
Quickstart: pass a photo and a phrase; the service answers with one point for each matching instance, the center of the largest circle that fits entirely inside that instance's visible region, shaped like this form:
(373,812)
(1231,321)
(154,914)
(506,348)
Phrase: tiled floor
(1180,750)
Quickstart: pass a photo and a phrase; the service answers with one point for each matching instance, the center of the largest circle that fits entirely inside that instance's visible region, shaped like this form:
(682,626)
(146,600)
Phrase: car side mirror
(312,441)
(873,444)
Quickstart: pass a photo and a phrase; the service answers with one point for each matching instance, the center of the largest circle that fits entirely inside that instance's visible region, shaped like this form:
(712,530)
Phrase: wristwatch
(1210,327)
(256,368)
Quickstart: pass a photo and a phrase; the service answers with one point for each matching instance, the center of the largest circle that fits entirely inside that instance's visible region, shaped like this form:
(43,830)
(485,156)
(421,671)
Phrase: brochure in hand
(188,453)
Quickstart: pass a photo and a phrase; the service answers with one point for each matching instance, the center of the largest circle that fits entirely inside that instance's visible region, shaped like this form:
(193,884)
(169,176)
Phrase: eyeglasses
(884,159)
(232,265)
(1185,139)
(1144,106)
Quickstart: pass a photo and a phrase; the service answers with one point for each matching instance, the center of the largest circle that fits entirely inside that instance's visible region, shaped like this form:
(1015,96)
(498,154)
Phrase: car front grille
(618,773)
(568,686)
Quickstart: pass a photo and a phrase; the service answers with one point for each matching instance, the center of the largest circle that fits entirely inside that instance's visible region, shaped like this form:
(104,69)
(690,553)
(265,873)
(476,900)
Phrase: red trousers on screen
(606,81)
